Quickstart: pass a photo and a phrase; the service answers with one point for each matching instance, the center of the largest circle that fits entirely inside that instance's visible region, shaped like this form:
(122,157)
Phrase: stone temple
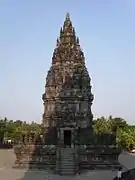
(67,98)
(68,144)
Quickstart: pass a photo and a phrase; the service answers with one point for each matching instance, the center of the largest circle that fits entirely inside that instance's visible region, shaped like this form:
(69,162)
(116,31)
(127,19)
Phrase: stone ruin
(68,145)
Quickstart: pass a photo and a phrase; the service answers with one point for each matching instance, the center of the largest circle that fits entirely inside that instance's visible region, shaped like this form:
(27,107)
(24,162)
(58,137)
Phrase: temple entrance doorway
(67,137)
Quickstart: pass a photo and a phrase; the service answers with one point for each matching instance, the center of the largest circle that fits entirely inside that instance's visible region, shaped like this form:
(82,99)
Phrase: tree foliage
(13,130)
(125,133)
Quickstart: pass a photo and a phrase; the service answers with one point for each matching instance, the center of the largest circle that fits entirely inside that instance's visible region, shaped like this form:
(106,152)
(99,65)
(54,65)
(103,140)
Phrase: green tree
(101,125)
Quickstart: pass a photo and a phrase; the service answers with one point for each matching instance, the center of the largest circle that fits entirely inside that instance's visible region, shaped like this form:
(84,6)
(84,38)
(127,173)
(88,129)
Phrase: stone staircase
(67,162)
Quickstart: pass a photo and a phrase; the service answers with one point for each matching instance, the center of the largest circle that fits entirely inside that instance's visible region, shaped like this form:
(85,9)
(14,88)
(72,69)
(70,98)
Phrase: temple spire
(67,43)
(67,32)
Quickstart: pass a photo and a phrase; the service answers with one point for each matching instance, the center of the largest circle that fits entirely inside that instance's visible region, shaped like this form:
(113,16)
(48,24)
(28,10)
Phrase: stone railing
(99,157)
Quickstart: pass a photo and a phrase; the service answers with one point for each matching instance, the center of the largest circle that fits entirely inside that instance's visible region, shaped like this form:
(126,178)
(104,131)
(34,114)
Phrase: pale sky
(28,32)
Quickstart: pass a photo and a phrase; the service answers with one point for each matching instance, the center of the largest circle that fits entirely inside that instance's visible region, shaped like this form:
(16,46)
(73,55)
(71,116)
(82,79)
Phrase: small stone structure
(33,153)
(67,117)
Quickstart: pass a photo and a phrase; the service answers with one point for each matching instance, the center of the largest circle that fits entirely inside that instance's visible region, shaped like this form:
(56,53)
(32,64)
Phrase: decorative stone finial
(67,16)
(73,31)
(77,40)
(57,42)
(61,32)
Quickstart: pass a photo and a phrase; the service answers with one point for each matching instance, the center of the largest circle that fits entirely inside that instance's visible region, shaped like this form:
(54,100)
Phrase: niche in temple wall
(67,92)
(50,77)
(53,123)
(84,107)
(83,124)
(75,91)
(85,91)
(58,108)
(50,91)
(57,63)
(46,123)
(50,107)
(88,121)
(77,107)
(74,107)
(46,93)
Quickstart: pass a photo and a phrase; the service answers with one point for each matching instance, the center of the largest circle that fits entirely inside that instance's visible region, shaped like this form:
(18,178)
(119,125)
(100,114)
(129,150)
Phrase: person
(119,173)
(115,178)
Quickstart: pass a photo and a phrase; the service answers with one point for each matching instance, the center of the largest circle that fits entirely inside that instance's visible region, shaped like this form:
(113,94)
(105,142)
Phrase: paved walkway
(13,174)
(7,159)
(127,159)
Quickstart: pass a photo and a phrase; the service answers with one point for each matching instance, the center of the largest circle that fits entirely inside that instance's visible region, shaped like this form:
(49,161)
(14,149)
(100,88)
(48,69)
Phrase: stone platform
(7,158)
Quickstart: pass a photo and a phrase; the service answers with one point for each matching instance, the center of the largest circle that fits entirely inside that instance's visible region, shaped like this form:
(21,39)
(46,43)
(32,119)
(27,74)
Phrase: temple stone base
(68,160)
